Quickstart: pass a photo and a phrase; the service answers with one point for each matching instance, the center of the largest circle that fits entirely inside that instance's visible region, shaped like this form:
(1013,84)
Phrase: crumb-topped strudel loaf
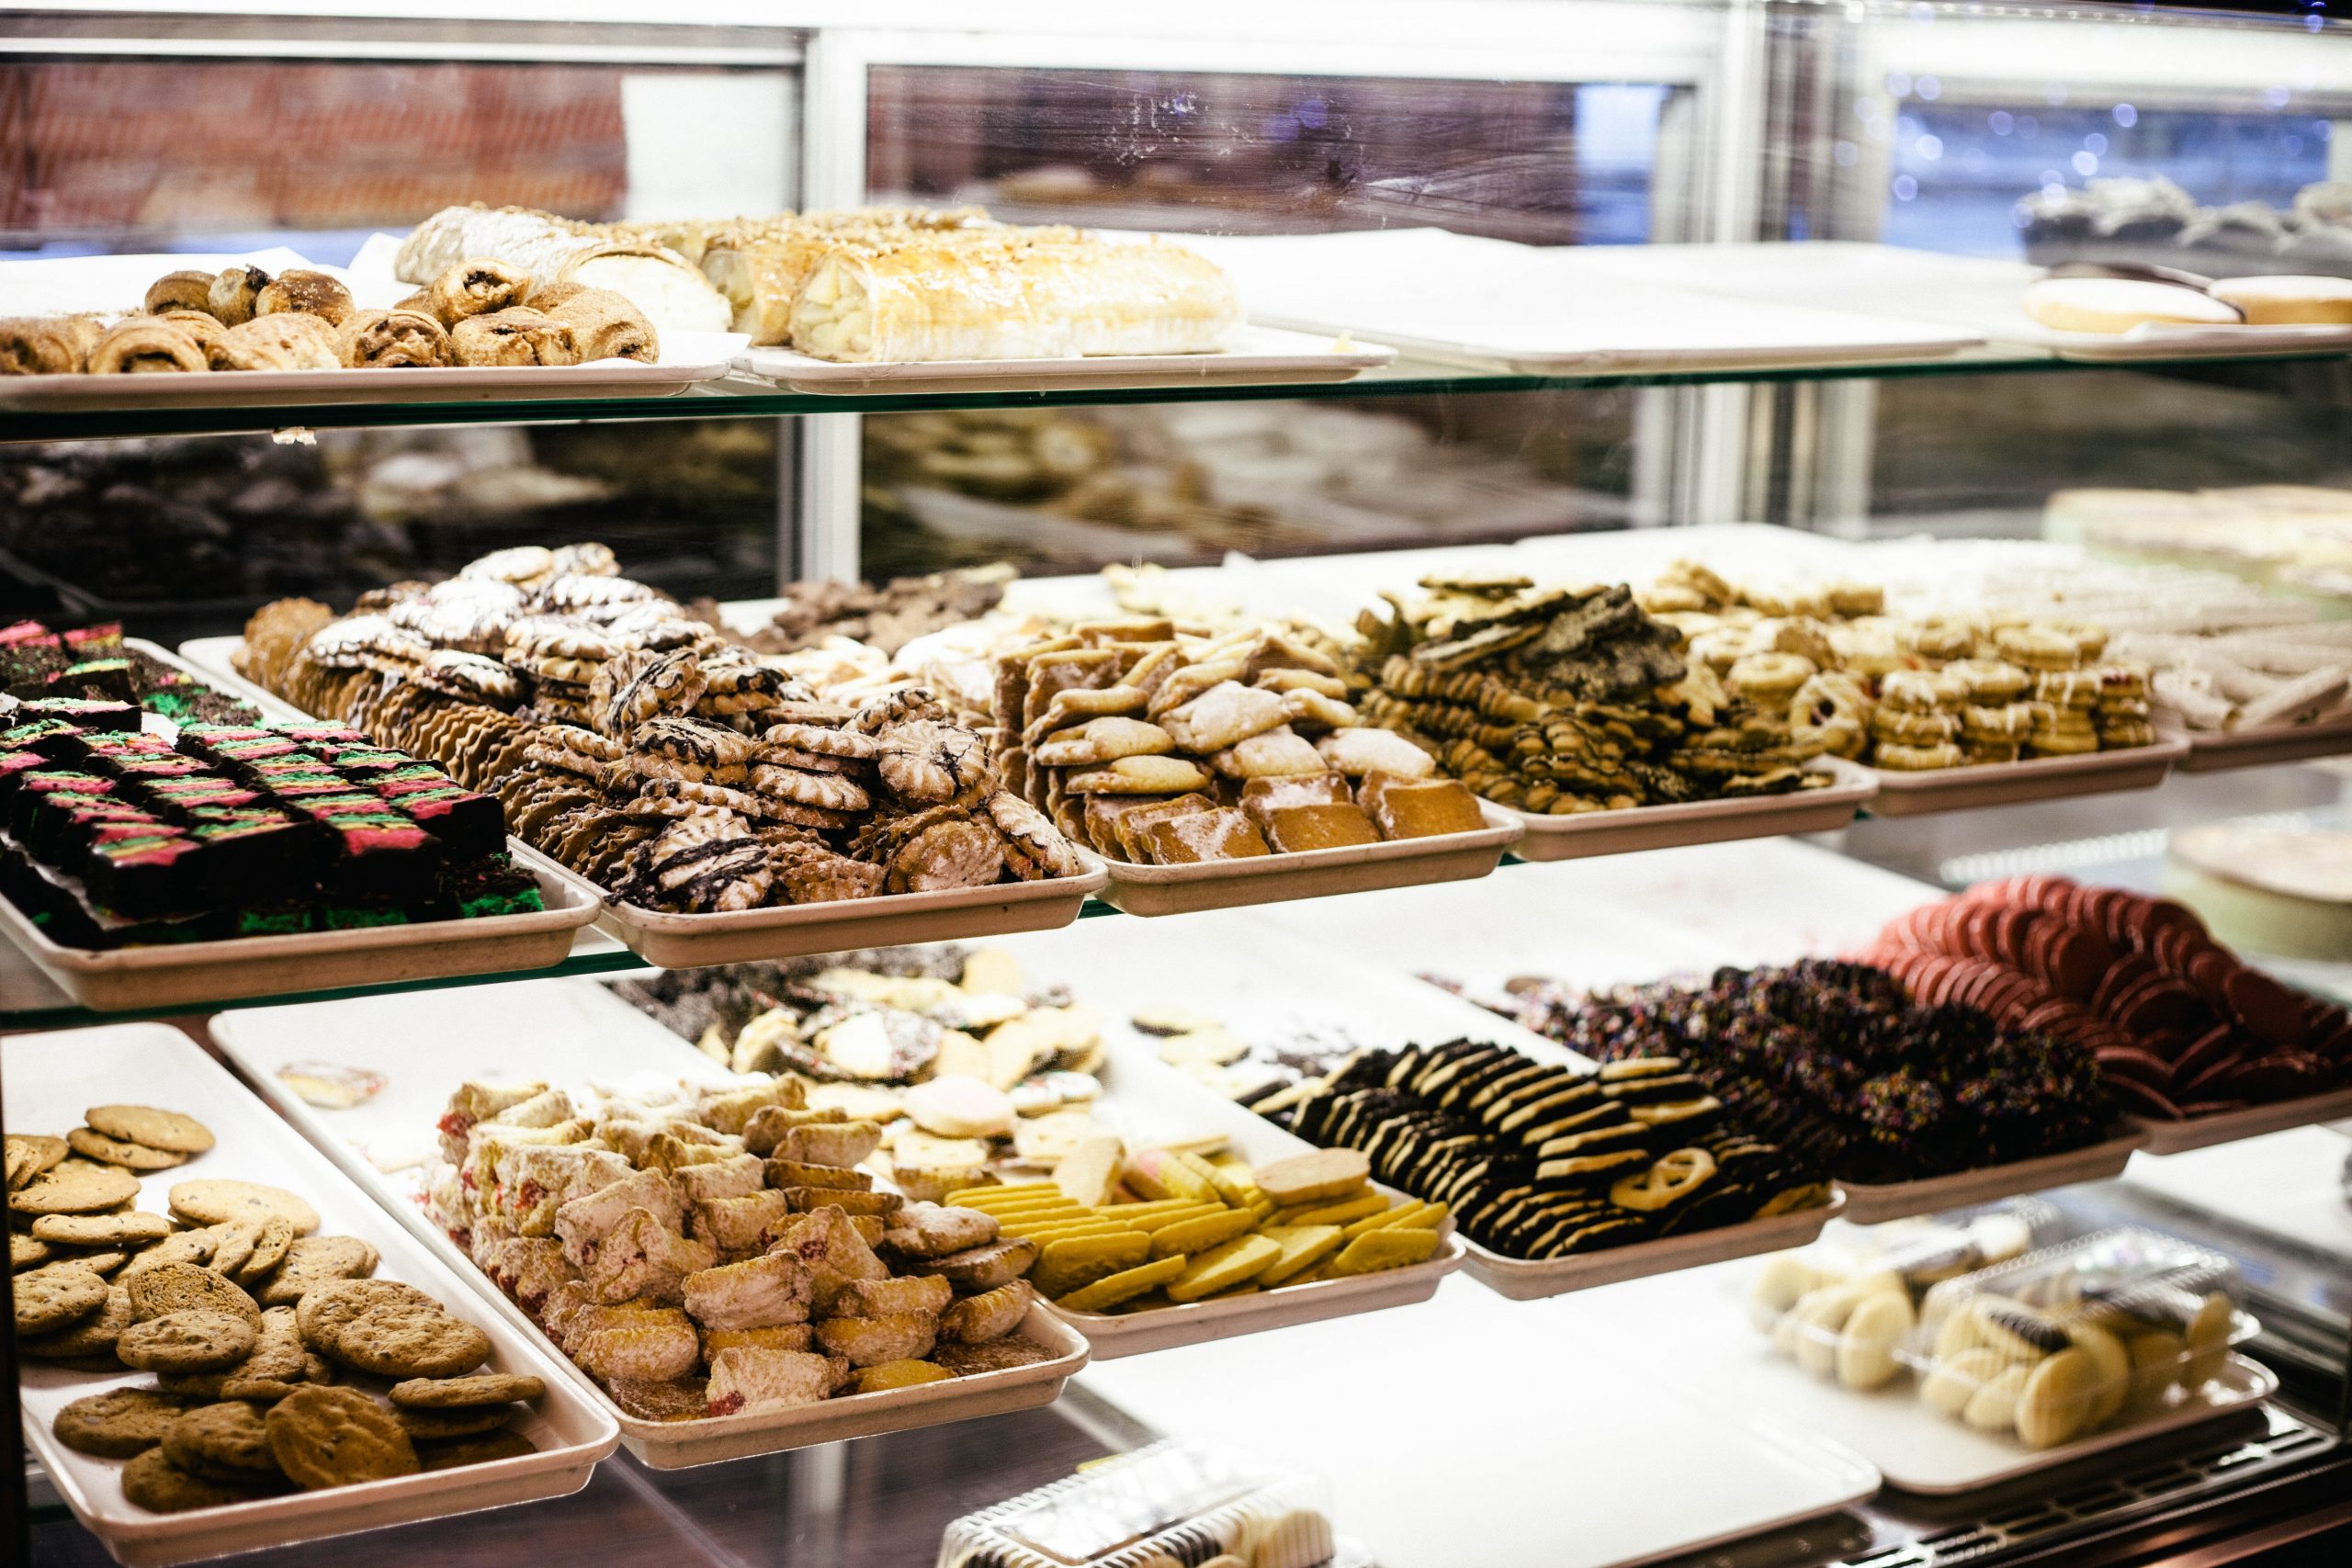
(984,293)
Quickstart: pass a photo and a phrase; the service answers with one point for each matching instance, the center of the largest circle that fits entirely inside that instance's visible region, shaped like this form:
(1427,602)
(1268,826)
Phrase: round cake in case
(2266,889)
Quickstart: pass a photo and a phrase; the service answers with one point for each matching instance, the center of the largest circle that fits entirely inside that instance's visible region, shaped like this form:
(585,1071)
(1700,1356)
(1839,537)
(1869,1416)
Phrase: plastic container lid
(1173,1503)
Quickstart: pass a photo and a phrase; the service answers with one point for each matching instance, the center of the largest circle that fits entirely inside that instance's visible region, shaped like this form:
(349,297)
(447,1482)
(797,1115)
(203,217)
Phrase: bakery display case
(806,786)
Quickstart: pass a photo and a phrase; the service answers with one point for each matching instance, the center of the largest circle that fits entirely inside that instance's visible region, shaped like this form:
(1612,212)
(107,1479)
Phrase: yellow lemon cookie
(1125,1286)
(1236,1262)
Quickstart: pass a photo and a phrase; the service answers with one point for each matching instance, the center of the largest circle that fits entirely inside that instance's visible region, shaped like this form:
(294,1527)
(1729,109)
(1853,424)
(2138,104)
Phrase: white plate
(566,1033)
(1453,1432)
(686,359)
(1259,354)
(1701,821)
(1532,309)
(1968,787)
(2289,1185)
(2254,1122)
(51,1080)
(1868,1204)
(687,941)
(1913,1446)
(1312,874)
(2218,751)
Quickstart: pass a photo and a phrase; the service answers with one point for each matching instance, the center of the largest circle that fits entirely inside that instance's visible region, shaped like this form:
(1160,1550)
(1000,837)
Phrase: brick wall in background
(119,150)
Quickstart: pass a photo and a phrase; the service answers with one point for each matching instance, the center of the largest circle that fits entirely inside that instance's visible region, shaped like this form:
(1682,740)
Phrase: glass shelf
(748,400)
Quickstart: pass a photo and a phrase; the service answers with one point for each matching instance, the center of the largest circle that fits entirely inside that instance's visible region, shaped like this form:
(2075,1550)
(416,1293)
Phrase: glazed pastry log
(1027,294)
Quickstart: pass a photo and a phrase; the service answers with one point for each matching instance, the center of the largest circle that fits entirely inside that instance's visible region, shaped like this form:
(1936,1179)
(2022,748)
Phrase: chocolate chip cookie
(56,1296)
(457,1394)
(75,1187)
(396,1340)
(503,1444)
(220,1443)
(30,1154)
(156,1485)
(156,1128)
(93,1336)
(326,1309)
(313,1260)
(220,1202)
(334,1436)
(118,1423)
(191,1340)
(135,1229)
(180,1287)
(424,1425)
(92,1144)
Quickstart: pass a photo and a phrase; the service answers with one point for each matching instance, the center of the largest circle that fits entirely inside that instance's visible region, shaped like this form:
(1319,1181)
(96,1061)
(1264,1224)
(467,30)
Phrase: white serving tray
(1868,1204)
(687,358)
(1976,784)
(51,1078)
(1912,1446)
(274,710)
(1262,355)
(121,979)
(1477,1390)
(2214,751)
(210,659)
(689,941)
(2289,1185)
(2254,1122)
(1976,294)
(1493,303)
(1639,827)
(565,1033)
(1311,874)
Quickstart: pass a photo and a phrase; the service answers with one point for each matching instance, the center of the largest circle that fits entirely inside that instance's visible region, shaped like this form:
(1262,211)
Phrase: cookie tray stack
(51,1080)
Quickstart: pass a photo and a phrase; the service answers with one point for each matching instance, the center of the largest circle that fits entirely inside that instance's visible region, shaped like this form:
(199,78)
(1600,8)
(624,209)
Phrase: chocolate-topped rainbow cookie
(239,830)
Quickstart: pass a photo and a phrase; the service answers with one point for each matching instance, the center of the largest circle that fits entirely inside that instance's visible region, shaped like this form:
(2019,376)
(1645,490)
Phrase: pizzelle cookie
(336,1436)
(154,1128)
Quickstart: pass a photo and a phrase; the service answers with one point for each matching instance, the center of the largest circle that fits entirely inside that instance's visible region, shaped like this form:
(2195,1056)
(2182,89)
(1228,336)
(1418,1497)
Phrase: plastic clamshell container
(1917,1254)
(2035,778)
(1989,1344)
(1313,873)
(1584,833)
(1175,1500)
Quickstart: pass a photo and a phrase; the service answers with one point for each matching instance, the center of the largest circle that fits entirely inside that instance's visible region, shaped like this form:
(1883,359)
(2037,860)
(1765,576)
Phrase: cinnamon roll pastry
(477,287)
(46,346)
(516,337)
(289,340)
(604,324)
(233,293)
(202,325)
(1011,294)
(381,340)
(140,346)
(180,291)
(421,302)
(312,293)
